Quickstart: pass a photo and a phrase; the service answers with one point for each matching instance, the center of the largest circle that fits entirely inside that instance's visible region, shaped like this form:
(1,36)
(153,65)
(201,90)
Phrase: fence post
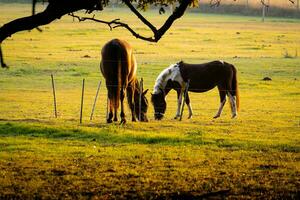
(184,97)
(247,5)
(140,98)
(81,107)
(54,96)
(94,105)
(263,13)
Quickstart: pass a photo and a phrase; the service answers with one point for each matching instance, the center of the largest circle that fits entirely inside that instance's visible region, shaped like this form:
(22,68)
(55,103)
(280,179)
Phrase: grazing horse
(118,66)
(202,77)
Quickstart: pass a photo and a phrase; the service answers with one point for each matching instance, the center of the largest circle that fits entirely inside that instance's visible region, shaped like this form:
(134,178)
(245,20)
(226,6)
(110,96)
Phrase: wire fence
(38,103)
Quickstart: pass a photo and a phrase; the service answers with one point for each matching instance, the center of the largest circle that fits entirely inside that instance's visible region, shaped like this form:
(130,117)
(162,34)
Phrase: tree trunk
(33,6)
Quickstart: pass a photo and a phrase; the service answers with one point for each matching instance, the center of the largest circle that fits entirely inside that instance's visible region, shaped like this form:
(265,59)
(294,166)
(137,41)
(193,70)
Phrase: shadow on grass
(106,134)
(115,135)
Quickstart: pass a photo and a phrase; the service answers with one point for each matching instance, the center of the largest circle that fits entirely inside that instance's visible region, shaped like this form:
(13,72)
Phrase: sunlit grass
(255,155)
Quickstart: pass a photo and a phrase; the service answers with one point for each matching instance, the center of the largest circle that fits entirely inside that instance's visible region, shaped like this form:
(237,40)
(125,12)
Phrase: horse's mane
(162,78)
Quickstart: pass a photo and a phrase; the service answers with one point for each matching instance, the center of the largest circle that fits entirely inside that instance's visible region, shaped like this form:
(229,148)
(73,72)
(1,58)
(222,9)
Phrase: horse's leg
(188,103)
(130,100)
(222,94)
(115,115)
(110,114)
(116,112)
(179,102)
(122,114)
(232,105)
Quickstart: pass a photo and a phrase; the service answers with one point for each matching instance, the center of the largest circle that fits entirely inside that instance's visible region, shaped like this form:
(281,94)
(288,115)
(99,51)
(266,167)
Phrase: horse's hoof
(4,66)
(217,116)
(123,121)
(115,119)
(234,116)
(133,119)
(108,121)
(190,117)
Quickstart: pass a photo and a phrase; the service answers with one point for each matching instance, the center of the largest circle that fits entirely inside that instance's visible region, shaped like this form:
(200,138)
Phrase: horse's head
(159,103)
(144,107)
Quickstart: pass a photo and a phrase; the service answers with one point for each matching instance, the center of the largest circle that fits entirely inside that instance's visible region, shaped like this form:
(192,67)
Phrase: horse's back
(117,54)
(206,76)
(113,51)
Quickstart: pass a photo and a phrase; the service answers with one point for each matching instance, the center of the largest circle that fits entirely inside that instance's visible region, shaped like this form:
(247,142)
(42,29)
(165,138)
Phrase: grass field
(254,156)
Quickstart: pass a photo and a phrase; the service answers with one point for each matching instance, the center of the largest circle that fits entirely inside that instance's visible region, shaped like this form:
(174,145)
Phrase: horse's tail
(123,71)
(117,85)
(113,66)
(235,88)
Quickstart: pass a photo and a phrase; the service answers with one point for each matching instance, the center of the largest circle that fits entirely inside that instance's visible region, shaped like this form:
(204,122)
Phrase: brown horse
(118,66)
(202,77)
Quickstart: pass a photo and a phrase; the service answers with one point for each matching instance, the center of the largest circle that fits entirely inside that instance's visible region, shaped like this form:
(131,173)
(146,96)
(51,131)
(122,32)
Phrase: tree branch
(53,11)
(25,23)
(293,2)
(57,8)
(179,11)
(139,15)
(3,65)
(175,15)
(113,24)
(157,33)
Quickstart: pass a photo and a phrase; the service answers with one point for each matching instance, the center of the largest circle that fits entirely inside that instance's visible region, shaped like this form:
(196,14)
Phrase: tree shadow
(114,134)
(105,134)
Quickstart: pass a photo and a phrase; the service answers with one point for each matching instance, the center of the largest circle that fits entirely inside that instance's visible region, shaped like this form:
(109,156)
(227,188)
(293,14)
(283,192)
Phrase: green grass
(253,156)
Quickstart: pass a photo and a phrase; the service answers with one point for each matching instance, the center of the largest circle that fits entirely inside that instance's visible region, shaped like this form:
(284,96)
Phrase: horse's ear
(145,92)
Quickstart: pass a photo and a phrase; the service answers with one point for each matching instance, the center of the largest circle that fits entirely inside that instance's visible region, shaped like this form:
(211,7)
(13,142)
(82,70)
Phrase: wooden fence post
(263,13)
(140,98)
(81,107)
(94,105)
(54,96)
(184,97)
(247,4)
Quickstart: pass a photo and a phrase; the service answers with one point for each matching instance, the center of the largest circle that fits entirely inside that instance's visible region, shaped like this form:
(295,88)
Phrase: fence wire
(38,104)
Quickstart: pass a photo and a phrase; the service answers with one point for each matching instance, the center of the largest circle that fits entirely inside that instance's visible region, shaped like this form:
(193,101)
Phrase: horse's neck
(171,73)
(160,86)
